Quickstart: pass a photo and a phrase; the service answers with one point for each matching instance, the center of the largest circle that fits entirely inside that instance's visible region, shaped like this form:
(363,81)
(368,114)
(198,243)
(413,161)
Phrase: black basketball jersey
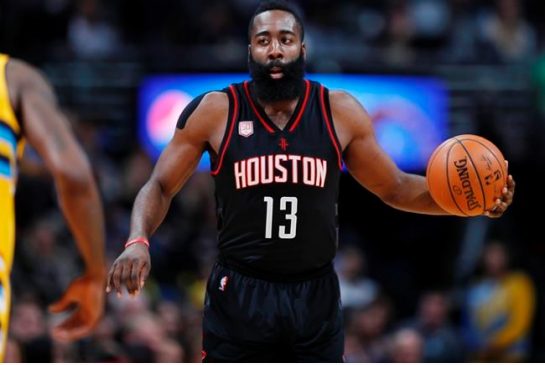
(277,189)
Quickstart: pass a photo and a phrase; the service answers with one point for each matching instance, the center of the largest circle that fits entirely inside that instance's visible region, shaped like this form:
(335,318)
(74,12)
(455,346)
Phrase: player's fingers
(109,280)
(496,210)
(72,329)
(492,214)
(62,304)
(507,196)
(118,278)
(126,275)
(511,183)
(143,275)
(133,283)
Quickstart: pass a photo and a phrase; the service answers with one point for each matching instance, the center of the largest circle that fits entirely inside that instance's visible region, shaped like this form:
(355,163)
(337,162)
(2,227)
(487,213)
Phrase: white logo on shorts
(223,283)
(246,128)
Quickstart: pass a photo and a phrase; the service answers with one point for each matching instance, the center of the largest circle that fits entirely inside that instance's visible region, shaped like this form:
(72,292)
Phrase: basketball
(466,174)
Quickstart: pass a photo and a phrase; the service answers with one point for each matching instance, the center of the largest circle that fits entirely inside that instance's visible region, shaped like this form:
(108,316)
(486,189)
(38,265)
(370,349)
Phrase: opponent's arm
(175,165)
(48,132)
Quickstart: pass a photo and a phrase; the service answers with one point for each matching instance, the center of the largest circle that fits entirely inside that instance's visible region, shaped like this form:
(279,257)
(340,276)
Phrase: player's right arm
(175,165)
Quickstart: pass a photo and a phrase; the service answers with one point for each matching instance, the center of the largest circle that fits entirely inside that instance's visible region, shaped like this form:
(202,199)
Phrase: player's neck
(280,112)
(279,107)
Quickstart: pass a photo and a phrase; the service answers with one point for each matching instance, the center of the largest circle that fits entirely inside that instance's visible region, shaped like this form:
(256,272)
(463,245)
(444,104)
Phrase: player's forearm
(149,210)
(412,195)
(80,201)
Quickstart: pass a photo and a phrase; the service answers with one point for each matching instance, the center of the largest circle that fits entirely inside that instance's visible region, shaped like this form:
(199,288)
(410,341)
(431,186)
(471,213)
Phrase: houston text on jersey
(280,168)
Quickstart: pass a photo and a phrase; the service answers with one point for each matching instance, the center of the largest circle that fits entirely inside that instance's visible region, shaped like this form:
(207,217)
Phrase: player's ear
(249,51)
(304,50)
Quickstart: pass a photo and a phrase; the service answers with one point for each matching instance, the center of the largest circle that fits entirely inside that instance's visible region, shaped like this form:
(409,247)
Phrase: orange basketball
(466,174)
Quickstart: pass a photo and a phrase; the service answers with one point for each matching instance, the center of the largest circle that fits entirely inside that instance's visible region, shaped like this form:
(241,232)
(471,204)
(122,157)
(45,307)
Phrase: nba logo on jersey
(223,283)
(246,128)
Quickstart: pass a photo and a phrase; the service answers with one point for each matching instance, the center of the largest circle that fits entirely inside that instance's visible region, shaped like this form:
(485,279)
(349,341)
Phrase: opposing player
(29,112)
(277,143)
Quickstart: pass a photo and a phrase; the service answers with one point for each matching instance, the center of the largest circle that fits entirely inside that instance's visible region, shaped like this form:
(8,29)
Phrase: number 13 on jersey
(288,204)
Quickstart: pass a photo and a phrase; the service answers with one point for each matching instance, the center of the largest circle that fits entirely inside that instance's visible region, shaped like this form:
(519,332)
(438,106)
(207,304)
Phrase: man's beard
(289,87)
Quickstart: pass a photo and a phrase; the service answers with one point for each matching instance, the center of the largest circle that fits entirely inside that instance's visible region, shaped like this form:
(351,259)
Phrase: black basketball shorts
(252,320)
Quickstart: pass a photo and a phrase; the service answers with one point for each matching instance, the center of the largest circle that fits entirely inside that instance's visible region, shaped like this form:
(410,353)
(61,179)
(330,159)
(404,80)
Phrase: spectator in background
(29,329)
(13,352)
(46,266)
(499,310)
(538,78)
(440,340)
(89,34)
(406,346)
(398,49)
(366,332)
(461,45)
(510,36)
(144,337)
(357,291)
(103,345)
(170,351)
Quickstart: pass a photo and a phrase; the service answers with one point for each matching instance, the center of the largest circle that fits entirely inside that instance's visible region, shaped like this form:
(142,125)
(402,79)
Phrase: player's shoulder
(348,113)
(205,111)
(23,71)
(346,105)
(24,79)
(342,99)
(214,102)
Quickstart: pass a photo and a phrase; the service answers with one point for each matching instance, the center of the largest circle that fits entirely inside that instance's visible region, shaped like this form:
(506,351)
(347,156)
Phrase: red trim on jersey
(303,107)
(256,112)
(231,128)
(330,126)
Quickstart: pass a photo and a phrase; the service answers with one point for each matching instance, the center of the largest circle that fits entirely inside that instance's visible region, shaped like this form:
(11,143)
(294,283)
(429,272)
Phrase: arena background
(490,57)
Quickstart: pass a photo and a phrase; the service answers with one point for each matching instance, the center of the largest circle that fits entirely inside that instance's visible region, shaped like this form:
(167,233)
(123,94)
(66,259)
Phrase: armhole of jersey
(231,121)
(328,118)
(188,111)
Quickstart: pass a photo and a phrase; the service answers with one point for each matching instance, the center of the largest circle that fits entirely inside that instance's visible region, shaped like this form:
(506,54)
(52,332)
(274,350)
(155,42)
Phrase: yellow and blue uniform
(499,314)
(11,149)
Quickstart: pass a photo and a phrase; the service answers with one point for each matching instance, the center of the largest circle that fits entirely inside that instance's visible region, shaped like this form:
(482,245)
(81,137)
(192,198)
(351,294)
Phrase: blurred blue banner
(409,113)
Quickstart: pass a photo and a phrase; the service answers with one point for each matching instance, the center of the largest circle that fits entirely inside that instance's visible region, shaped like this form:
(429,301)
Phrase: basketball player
(277,143)
(29,111)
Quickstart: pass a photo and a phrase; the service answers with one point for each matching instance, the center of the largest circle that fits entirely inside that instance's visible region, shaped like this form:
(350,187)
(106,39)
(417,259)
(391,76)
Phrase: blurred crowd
(484,306)
(340,34)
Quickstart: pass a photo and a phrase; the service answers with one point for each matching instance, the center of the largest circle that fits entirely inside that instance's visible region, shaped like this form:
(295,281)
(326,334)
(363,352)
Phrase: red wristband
(143,240)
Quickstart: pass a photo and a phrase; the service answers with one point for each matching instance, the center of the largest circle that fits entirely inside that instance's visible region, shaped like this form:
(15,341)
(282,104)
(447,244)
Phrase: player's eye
(262,41)
(287,40)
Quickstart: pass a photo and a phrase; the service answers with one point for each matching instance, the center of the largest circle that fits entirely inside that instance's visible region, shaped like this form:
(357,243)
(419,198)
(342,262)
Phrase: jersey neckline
(269,125)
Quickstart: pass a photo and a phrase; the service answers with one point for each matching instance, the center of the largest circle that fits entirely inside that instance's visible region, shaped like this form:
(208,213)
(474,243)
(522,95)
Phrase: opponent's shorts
(252,320)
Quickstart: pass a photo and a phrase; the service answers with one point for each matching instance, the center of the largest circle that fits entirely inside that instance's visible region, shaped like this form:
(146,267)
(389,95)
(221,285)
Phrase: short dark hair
(268,5)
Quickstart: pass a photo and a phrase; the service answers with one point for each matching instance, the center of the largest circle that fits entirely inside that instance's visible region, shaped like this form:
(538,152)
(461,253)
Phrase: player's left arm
(47,130)
(373,168)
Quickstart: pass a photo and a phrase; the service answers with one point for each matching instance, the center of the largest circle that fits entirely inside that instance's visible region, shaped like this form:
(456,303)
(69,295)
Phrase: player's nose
(275,51)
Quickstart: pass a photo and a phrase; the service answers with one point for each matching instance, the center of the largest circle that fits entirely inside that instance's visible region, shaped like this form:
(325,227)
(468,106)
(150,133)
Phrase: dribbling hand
(87,296)
(131,270)
(503,202)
